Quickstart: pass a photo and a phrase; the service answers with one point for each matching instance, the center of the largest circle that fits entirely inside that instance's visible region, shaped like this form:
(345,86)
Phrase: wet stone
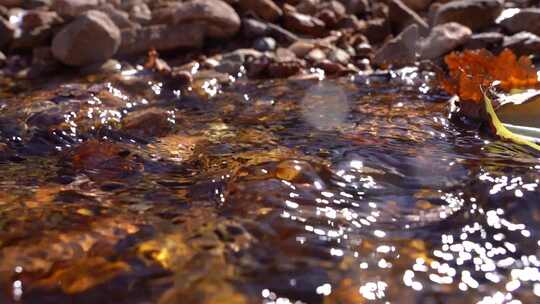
(148,123)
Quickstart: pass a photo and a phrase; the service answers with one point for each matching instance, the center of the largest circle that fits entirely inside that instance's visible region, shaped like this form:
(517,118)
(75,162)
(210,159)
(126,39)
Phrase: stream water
(127,189)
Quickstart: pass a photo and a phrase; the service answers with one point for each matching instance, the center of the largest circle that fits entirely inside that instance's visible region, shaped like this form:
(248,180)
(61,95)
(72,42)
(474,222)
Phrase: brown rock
(338,55)
(523,43)
(335,6)
(91,38)
(148,123)
(37,18)
(328,17)
(218,19)
(525,20)
(253,28)
(36,37)
(443,39)
(7,32)
(379,9)
(491,41)
(140,13)
(103,160)
(258,67)
(180,78)
(12,3)
(377,30)
(72,8)
(330,68)
(266,9)
(315,55)
(164,15)
(475,14)
(280,34)
(283,69)
(363,50)
(308,7)
(331,13)
(301,48)
(161,38)
(401,16)
(400,50)
(357,7)
(120,18)
(42,62)
(351,22)
(418,5)
(304,24)
(285,55)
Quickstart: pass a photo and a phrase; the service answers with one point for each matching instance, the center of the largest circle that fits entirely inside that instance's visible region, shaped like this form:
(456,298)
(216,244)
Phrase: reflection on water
(133,190)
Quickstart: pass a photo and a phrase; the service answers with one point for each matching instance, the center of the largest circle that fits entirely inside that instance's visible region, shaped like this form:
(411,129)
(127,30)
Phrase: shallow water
(128,189)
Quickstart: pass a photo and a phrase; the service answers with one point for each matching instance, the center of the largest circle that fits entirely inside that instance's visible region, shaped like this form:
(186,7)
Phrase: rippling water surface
(129,189)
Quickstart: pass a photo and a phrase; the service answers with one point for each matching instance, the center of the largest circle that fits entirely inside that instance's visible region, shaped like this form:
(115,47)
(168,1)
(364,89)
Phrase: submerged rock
(149,123)
(91,38)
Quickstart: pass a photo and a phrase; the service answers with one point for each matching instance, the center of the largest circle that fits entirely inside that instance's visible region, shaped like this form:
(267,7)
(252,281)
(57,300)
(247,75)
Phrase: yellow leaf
(502,131)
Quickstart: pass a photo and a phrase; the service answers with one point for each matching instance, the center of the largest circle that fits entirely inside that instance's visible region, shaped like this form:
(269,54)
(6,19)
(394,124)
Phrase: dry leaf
(471,70)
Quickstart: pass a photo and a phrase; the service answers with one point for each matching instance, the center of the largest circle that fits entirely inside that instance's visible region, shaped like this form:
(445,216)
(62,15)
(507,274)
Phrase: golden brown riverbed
(126,189)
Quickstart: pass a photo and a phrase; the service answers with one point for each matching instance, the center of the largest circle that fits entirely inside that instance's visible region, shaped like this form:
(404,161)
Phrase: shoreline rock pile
(270,38)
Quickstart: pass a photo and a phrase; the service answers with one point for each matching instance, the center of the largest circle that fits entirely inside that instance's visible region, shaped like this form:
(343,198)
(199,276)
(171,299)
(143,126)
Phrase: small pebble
(265,44)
